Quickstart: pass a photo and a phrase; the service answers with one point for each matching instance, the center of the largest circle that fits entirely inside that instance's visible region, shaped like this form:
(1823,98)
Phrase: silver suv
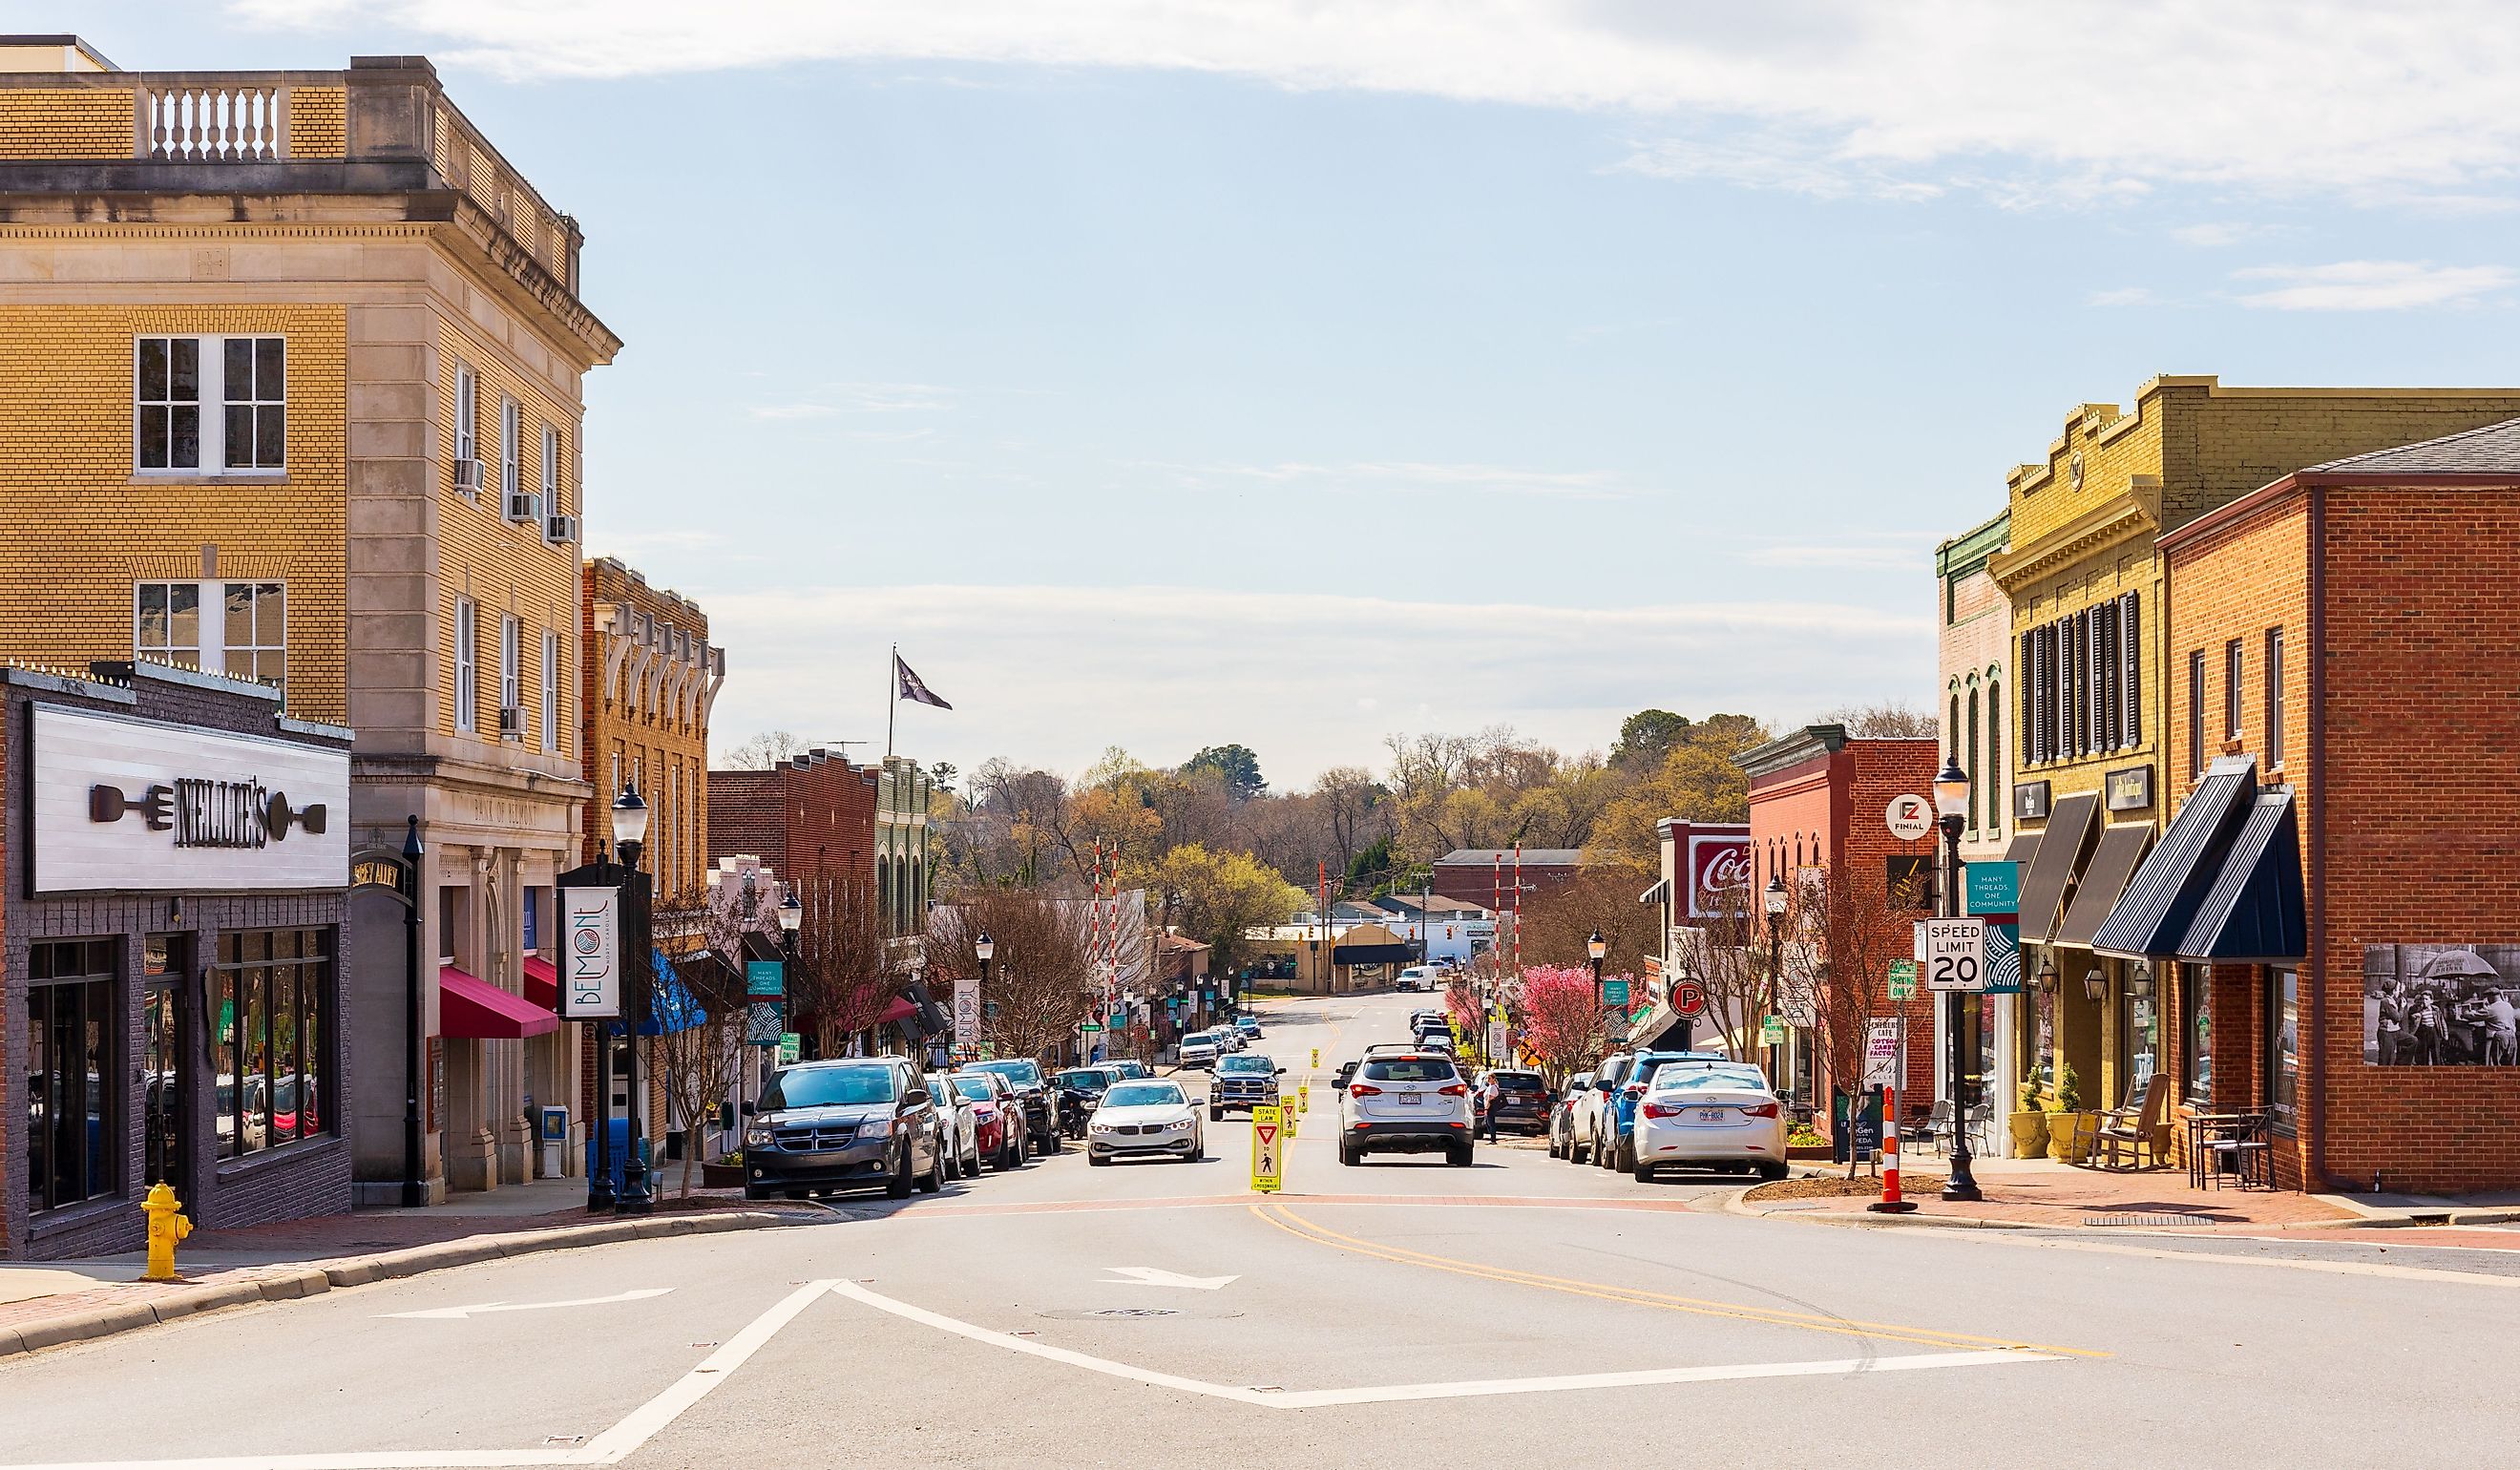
(1405,1102)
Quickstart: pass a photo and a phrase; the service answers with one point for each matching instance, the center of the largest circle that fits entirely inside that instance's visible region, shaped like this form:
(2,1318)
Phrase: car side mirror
(1282,1071)
(914,1095)
(749,1107)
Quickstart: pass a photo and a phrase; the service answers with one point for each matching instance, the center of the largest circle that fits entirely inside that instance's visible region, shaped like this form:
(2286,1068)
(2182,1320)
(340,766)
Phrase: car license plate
(1412,1099)
(1713,1114)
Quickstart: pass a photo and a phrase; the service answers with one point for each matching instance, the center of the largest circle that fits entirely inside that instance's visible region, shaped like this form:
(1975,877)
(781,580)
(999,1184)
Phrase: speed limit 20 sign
(1955,953)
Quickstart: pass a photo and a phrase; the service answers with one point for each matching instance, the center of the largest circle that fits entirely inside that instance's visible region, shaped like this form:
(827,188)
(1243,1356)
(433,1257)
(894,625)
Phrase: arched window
(1951,729)
(1995,792)
(883,889)
(1976,767)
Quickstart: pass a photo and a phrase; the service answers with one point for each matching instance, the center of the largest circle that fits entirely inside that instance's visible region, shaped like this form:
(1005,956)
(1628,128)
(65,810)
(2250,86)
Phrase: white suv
(1405,1102)
(1199,1049)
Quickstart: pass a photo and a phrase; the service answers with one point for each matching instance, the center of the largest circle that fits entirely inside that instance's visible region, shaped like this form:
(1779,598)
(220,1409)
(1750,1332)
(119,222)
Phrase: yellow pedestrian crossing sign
(1268,1148)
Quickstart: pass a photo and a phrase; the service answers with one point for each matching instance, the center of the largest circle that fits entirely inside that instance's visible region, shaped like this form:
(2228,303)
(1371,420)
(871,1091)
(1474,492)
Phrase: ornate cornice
(2101,528)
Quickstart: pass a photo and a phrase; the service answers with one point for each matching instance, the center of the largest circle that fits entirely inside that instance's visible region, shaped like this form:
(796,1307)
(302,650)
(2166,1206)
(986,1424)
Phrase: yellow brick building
(2092,668)
(289,388)
(650,676)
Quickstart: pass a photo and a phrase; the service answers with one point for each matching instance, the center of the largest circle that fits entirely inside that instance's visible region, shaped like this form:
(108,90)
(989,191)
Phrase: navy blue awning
(2254,913)
(2225,883)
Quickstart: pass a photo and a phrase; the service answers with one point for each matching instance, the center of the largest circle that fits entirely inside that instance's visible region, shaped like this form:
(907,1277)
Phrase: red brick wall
(812,818)
(1882,770)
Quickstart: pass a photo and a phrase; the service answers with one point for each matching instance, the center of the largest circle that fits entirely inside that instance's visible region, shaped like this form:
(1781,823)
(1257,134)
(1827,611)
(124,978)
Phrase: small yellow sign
(1303,1097)
(1268,1148)
(1317,1056)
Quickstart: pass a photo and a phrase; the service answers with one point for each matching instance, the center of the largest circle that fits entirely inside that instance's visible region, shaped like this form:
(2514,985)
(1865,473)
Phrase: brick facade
(650,677)
(307,1178)
(2400,732)
(810,820)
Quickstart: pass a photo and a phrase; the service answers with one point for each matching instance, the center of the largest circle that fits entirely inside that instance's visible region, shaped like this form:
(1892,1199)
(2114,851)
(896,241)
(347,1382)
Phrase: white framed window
(551,468)
(468,665)
(209,405)
(512,689)
(551,690)
(239,629)
(468,413)
(512,432)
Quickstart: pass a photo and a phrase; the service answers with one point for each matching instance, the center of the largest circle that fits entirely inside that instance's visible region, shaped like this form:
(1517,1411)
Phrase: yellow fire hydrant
(167,1227)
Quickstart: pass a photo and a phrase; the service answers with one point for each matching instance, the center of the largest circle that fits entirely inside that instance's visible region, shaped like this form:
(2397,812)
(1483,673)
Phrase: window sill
(272,1157)
(61,1219)
(196,477)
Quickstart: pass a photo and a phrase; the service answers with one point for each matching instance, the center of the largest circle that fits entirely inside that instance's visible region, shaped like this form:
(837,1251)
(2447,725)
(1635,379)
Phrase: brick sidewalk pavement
(2078,1197)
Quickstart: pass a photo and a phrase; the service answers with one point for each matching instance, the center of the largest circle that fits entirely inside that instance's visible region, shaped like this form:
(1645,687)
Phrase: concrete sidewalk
(43,1304)
(2039,1193)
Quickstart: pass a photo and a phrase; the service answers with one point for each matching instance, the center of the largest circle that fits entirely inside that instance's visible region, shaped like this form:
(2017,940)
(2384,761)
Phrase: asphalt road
(1520,1311)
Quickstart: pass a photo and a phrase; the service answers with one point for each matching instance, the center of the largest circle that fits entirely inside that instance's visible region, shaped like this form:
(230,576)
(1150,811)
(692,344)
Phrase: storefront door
(165,1066)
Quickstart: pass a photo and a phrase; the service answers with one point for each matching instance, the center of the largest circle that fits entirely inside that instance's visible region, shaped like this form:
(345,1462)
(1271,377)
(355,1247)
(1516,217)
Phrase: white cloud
(831,399)
(2370,284)
(2025,101)
(2124,295)
(1880,551)
(1053,674)
(1413,476)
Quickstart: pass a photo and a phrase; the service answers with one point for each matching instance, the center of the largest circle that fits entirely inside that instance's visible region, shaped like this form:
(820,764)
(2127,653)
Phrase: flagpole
(893,706)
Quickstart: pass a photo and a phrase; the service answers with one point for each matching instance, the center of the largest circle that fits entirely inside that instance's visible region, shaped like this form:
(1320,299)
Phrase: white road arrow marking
(459,1314)
(1148,1276)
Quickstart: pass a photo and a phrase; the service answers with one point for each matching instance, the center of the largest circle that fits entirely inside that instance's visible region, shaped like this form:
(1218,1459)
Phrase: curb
(2415,1220)
(319,1278)
(1737,1203)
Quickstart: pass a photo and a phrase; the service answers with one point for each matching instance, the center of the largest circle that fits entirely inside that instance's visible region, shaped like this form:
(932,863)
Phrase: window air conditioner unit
(559,528)
(524,506)
(467,476)
(511,722)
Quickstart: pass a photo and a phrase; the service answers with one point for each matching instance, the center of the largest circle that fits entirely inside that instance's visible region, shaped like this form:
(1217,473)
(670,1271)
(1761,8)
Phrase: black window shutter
(2133,643)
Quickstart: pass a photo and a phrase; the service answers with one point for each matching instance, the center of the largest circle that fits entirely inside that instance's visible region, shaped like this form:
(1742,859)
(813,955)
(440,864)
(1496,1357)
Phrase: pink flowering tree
(1565,1028)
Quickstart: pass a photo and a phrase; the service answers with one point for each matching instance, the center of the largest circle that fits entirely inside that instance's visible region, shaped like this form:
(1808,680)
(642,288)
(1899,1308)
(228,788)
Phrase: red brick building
(1485,876)
(2330,918)
(1817,799)
(810,818)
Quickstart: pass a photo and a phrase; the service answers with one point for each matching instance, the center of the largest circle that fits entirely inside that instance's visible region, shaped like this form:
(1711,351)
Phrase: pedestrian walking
(1490,1094)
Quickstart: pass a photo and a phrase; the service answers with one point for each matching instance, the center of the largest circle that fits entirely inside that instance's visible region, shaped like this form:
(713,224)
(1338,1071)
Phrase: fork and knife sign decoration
(208,813)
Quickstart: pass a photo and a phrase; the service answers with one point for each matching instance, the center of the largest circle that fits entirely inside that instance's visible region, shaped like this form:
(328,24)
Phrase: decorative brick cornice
(2107,526)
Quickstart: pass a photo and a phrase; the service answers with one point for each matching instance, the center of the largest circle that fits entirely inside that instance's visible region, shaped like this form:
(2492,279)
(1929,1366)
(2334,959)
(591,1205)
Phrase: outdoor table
(2209,1132)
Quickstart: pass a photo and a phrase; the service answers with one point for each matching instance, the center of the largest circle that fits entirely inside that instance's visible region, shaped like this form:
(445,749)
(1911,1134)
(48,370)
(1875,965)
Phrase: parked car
(1130,1071)
(1242,1083)
(997,1117)
(1139,1118)
(1413,1102)
(1723,1118)
(831,1125)
(1561,1115)
(1522,1098)
(1418,977)
(1616,1117)
(1033,1091)
(960,1125)
(1437,1041)
(1200,1048)
(1419,1020)
(1249,1026)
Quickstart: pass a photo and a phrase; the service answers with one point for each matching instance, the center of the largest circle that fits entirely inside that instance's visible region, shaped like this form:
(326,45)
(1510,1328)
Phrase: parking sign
(1955,953)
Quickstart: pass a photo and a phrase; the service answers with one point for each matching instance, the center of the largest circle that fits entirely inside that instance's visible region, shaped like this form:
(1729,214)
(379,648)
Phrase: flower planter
(716,1175)
(2029,1135)
(2070,1134)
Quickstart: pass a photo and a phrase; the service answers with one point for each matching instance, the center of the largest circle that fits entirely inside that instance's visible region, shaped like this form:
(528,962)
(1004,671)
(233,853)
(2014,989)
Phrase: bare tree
(1851,925)
(698,1050)
(1557,926)
(1727,953)
(842,979)
(1040,979)
(1890,720)
(763,751)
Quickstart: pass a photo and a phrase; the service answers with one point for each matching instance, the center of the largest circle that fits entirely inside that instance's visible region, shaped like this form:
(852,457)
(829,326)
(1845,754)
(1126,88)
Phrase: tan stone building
(650,675)
(290,367)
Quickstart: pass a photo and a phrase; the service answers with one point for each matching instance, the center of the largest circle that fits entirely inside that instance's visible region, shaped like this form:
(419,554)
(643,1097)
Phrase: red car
(993,1108)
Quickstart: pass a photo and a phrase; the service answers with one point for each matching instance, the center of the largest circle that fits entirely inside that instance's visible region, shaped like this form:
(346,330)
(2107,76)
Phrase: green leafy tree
(1215,897)
(1696,780)
(1236,765)
(1646,737)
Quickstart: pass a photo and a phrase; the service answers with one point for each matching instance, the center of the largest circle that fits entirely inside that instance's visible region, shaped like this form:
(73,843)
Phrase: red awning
(474,1010)
(900,1008)
(542,982)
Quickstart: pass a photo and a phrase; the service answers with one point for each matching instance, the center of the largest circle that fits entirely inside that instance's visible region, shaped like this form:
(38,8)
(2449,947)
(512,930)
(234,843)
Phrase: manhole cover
(1135,1311)
(1126,1314)
(2147,1219)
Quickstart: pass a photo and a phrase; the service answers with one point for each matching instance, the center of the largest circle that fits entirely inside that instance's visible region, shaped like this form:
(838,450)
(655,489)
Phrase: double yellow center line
(1286,1220)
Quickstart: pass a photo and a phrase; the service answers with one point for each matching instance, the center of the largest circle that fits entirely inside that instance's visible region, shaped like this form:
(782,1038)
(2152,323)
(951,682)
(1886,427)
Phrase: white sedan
(1717,1118)
(1145,1118)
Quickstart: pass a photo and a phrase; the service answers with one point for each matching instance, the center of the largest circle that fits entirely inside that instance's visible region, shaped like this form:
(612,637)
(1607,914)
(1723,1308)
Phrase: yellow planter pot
(2029,1135)
(2070,1134)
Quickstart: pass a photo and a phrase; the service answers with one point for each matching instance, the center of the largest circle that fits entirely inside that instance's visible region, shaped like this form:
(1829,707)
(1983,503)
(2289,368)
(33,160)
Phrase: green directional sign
(1614,992)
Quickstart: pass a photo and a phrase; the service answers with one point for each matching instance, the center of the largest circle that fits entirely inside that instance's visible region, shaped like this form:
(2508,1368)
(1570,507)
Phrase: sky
(1169,373)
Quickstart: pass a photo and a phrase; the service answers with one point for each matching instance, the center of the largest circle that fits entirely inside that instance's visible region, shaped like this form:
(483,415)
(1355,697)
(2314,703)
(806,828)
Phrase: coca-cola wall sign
(1717,865)
(122,805)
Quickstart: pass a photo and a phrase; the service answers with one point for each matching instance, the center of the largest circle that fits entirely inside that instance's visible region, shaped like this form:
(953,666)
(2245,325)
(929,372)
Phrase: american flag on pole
(911,686)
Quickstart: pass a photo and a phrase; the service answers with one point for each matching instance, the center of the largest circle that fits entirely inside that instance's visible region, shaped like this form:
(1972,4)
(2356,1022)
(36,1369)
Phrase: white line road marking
(609,1448)
(1406,1392)
(459,1314)
(1148,1276)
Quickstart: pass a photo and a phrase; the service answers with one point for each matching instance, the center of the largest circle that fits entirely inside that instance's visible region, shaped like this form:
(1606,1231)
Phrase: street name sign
(1268,1147)
(1955,953)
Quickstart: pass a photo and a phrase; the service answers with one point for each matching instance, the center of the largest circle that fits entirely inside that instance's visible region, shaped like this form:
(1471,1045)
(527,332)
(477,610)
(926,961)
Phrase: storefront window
(2195,989)
(2283,1043)
(74,1112)
(2140,1024)
(163,1064)
(268,992)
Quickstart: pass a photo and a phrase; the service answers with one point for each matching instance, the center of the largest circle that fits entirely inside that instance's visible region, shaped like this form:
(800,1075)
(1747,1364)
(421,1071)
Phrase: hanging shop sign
(590,976)
(122,805)
(1717,867)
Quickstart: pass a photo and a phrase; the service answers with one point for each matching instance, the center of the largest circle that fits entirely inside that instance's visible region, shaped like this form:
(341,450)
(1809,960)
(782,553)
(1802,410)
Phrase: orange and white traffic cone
(1890,1203)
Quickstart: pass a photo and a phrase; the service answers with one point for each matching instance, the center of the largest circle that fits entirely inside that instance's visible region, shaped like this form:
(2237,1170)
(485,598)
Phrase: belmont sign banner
(122,805)
(1717,866)
(590,958)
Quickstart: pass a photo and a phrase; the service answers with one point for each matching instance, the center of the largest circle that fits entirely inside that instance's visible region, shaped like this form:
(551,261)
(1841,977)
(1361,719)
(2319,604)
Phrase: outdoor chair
(2129,1133)
(1938,1126)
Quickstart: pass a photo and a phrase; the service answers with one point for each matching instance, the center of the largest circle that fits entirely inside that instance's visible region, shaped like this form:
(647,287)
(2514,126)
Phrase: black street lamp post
(1598,948)
(1951,800)
(1775,902)
(987,950)
(629,836)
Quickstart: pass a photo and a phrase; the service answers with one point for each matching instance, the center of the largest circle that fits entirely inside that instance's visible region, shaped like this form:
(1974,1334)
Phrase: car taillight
(1759,1110)
(1364,1090)
(1661,1110)
(1455,1090)
(1637,1090)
